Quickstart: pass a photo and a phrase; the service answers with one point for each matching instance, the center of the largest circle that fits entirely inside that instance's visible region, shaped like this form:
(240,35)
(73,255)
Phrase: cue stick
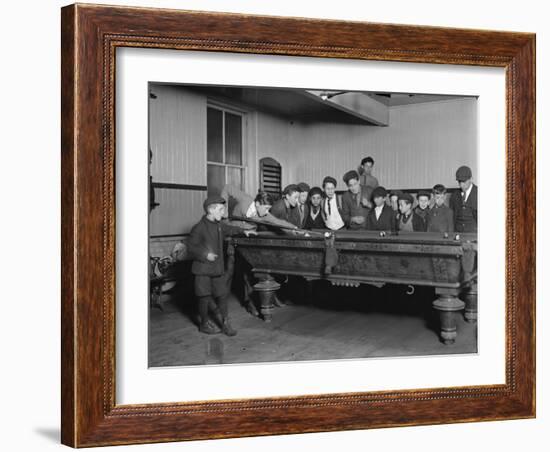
(284,228)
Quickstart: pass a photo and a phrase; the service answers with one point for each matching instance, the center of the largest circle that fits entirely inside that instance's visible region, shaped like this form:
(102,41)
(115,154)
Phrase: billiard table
(447,262)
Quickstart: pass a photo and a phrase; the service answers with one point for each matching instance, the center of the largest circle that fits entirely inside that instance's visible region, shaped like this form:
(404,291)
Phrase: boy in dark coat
(382,216)
(440,217)
(408,220)
(423,207)
(315,219)
(206,247)
(464,203)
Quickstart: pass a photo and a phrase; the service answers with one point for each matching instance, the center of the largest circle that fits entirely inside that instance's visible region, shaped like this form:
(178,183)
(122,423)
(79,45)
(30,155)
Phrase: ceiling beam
(353,103)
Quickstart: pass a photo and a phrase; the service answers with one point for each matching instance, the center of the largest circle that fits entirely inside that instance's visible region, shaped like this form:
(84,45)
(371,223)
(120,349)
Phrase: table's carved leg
(266,290)
(470,297)
(447,304)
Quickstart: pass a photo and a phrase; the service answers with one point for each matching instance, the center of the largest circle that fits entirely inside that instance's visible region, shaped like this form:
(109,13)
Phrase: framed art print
(283,225)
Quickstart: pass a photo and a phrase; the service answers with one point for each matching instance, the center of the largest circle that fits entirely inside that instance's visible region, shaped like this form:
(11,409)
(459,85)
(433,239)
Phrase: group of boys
(364,206)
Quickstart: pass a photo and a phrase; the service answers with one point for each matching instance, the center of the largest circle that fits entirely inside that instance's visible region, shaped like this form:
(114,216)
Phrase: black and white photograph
(291,224)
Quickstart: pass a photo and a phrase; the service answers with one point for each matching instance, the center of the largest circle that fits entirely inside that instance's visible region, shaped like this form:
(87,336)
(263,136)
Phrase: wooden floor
(340,323)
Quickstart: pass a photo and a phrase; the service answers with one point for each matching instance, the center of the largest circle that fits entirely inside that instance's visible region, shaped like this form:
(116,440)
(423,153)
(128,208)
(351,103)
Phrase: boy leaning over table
(206,248)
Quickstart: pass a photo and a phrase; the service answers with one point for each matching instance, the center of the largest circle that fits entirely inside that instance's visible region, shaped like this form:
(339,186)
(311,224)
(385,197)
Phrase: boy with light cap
(205,245)
(464,203)
(355,202)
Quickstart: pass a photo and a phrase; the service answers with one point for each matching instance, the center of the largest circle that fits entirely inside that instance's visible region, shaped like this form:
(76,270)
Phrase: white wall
(423,145)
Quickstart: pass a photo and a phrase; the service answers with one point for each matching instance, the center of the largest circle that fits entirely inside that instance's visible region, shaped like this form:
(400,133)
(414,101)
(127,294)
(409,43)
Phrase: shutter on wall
(270,176)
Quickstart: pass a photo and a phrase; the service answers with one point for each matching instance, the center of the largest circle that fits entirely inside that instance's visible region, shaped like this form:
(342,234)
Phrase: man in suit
(464,203)
(356,202)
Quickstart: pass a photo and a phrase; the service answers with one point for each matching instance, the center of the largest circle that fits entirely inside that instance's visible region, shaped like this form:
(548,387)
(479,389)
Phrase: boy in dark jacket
(206,247)
(423,207)
(440,217)
(407,219)
(314,219)
(382,216)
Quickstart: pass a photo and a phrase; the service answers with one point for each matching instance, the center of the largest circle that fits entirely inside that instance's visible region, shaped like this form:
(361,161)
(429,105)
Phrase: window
(224,148)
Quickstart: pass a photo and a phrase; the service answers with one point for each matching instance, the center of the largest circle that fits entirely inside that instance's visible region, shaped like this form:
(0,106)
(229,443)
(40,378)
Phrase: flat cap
(329,179)
(291,188)
(405,197)
(302,186)
(463,173)
(350,175)
(423,193)
(379,192)
(212,199)
(315,191)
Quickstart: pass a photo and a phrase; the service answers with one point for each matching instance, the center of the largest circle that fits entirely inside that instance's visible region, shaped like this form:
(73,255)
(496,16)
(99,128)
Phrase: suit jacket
(386,222)
(353,207)
(465,213)
(208,237)
(306,213)
(318,223)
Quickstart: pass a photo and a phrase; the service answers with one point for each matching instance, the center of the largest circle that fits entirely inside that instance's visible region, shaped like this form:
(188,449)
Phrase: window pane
(216,179)
(214,142)
(234,177)
(233,139)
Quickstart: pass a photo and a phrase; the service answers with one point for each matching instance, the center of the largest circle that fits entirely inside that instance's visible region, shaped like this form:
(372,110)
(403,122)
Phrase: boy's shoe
(209,327)
(227,328)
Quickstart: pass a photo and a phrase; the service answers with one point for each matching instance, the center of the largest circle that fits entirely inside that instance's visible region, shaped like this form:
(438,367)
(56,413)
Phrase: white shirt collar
(467,193)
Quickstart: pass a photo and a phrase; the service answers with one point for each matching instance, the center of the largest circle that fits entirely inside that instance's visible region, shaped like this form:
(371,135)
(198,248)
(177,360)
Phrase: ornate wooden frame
(90,35)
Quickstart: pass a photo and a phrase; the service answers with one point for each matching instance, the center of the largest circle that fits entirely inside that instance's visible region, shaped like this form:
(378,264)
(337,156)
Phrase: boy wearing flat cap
(408,220)
(205,244)
(440,217)
(355,202)
(314,218)
(286,208)
(464,203)
(381,217)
